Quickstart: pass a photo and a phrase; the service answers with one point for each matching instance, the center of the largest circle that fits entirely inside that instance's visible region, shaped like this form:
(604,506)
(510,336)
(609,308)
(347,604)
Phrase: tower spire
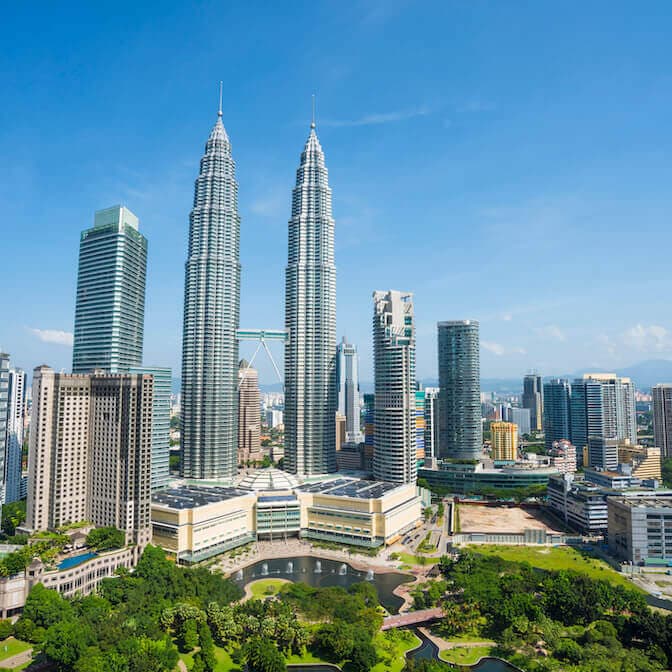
(312,123)
(219,112)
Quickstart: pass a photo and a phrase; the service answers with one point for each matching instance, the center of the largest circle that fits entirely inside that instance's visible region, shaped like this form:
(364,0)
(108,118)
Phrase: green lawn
(467,638)
(308,659)
(224,662)
(465,655)
(10,647)
(264,587)
(560,557)
(410,559)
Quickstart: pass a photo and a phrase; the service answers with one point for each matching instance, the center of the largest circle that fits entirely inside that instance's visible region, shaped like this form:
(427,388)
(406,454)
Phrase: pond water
(320,572)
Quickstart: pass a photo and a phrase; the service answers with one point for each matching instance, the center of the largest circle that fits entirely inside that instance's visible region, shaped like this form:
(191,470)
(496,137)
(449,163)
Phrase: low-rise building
(563,456)
(640,528)
(645,462)
(195,522)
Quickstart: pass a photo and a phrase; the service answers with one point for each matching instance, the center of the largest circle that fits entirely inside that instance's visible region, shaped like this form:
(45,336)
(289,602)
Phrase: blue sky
(506,161)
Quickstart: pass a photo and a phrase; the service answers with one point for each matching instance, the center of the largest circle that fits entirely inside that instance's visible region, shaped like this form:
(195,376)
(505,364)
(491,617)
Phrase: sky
(508,162)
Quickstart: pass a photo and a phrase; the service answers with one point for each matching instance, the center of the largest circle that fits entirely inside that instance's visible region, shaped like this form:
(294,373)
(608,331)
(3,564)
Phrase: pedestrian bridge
(411,618)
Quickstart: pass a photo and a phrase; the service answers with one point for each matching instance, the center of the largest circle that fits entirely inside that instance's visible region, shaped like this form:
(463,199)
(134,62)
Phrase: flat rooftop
(350,487)
(193,496)
(646,502)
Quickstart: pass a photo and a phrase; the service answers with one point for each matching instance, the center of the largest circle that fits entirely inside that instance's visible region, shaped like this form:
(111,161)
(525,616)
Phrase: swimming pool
(69,563)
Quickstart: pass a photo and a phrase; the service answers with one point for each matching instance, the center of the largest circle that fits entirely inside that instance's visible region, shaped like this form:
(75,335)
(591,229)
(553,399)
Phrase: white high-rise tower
(347,389)
(211,317)
(310,318)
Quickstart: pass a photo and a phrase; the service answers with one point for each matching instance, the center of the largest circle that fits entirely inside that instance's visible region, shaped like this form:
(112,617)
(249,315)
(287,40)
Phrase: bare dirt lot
(501,519)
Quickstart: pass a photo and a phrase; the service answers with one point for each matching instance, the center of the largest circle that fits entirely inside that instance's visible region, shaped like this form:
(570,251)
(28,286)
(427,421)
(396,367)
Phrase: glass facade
(110,303)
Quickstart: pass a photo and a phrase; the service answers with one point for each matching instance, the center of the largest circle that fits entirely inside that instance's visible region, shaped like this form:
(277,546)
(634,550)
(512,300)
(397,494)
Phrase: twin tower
(212,312)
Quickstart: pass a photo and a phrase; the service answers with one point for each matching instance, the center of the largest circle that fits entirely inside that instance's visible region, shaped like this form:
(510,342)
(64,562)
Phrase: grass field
(391,647)
(560,557)
(264,587)
(465,655)
(224,662)
(410,559)
(10,647)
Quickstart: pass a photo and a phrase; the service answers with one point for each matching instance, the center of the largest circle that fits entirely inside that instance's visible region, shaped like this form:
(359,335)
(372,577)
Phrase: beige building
(644,461)
(90,452)
(249,414)
(504,439)
(196,522)
(341,425)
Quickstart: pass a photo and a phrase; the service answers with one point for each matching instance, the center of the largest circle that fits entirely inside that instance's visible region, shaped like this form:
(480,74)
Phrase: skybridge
(263,337)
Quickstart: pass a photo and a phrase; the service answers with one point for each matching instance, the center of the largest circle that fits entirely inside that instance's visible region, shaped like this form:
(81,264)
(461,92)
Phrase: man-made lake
(320,572)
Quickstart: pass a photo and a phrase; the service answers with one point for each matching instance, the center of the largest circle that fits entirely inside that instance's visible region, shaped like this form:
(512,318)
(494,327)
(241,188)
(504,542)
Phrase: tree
(45,607)
(427,513)
(188,636)
(6,628)
(153,655)
(207,647)
(262,656)
(106,538)
(363,656)
(65,642)
(95,660)
(13,514)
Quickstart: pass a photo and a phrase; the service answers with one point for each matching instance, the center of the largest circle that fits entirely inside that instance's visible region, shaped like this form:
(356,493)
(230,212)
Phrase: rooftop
(350,487)
(263,480)
(193,496)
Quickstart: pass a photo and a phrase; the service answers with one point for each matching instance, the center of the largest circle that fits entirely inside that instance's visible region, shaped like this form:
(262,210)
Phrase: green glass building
(110,305)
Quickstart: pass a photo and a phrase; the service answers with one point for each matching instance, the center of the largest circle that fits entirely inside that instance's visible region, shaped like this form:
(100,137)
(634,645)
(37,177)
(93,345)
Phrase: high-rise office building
(163,383)
(504,440)
(662,417)
(557,413)
(211,318)
(110,304)
(520,417)
(602,453)
(90,452)
(310,319)
(420,425)
(16,405)
(395,438)
(534,400)
(347,388)
(460,429)
(586,413)
(249,414)
(4,409)
(431,421)
(602,405)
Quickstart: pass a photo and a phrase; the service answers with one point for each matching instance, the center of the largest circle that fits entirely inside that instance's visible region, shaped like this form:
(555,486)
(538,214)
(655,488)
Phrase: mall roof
(193,496)
(350,487)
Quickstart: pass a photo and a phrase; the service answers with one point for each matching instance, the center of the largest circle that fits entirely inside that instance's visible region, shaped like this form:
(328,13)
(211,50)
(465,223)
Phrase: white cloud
(607,343)
(53,336)
(377,118)
(275,204)
(648,338)
(498,349)
(507,317)
(551,332)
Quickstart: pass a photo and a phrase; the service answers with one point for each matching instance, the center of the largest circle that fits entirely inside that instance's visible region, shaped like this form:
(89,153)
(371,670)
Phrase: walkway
(411,618)
(17,659)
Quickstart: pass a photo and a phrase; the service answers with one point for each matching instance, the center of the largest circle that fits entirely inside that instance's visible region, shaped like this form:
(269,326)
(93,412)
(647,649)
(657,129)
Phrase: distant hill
(646,374)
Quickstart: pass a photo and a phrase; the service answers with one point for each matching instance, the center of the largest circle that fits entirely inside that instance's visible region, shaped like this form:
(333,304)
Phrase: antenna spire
(219,112)
(312,123)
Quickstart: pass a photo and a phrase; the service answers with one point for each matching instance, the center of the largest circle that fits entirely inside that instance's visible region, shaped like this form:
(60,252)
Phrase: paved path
(411,618)
(444,645)
(18,659)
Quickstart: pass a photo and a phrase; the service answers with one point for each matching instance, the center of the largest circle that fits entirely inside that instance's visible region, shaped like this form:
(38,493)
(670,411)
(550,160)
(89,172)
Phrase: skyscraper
(460,429)
(16,403)
(310,319)
(4,408)
(110,305)
(163,383)
(90,452)
(211,318)
(557,412)
(533,399)
(662,418)
(420,425)
(431,421)
(249,414)
(394,442)
(347,389)
(603,405)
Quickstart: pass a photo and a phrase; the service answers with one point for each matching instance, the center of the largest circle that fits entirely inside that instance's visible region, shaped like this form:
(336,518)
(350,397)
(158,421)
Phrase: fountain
(343,570)
(239,575)
(290,567)
(369,575)
(264,569)
(318,567)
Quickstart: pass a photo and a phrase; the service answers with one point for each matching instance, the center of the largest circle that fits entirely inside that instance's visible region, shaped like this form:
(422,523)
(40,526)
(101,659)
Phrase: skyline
(546,169)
